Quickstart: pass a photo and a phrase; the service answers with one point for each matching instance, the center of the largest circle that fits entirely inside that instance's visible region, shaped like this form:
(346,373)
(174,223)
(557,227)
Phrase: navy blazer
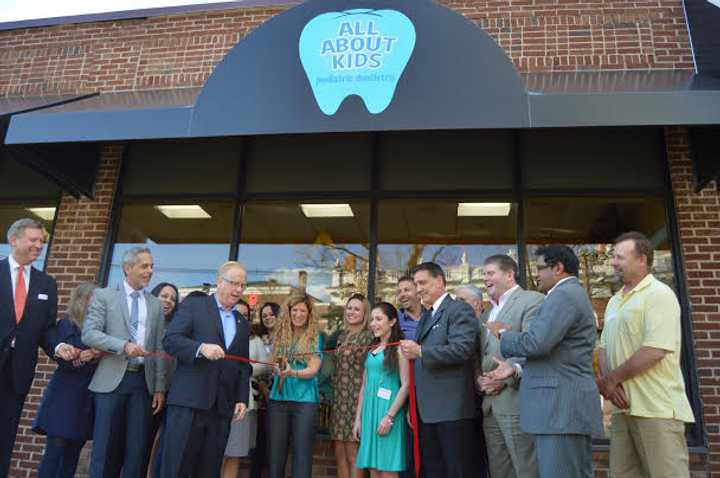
(198,382)
(37,327)
(67,408)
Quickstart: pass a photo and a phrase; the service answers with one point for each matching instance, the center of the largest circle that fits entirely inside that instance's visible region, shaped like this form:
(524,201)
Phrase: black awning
(72,167)
(438,70)
(622,98)
(109,116)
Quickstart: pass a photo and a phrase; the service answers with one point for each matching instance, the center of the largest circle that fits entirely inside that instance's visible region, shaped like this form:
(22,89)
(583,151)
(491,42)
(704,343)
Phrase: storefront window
(25,194)
(42,211)
(590,226)
(315,247)
(189,241)
(458,234)
(446,160)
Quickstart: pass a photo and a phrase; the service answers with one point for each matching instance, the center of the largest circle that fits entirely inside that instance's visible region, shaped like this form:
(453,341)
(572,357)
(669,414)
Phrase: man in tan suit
(511,451)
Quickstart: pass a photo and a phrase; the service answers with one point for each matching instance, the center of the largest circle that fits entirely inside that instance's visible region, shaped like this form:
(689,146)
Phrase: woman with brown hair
(352,343)
(294,398)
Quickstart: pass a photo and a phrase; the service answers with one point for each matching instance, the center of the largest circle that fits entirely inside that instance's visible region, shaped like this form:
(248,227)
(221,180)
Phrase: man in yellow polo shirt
(639,359)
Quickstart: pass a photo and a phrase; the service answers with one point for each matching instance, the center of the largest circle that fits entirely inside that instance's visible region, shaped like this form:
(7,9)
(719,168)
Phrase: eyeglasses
(542,267)
(233,283)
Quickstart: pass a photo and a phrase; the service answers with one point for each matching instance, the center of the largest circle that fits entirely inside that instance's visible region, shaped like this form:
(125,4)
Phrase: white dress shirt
(436,304)
(142,313)
(14,267)
(558,283)
(497,307)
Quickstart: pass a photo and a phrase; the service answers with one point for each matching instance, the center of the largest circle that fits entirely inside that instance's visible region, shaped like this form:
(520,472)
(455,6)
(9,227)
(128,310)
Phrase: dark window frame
(696,437)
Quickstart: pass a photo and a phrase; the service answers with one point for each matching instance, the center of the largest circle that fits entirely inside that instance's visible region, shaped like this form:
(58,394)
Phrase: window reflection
(589,226)
(42,211)
(285,252)
(187,249)
(440,230)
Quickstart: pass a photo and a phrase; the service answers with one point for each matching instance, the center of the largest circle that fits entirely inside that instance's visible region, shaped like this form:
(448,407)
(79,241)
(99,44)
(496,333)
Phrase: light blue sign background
(356,52)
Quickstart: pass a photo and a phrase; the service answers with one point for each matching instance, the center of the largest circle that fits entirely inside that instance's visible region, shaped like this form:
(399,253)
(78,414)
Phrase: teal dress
(384,453)
(298,389)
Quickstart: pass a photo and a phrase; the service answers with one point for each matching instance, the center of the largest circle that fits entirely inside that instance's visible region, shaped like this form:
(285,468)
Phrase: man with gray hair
(28,311)
(126,321)
(472,296)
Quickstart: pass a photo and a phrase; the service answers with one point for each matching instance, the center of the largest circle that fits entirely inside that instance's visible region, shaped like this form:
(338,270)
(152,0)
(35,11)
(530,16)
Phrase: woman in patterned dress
(352,344)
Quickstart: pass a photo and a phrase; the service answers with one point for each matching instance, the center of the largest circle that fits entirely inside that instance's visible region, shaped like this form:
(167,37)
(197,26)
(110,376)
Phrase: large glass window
(25,193)
(189,241)
(316,247)
(590,225)
(458,234)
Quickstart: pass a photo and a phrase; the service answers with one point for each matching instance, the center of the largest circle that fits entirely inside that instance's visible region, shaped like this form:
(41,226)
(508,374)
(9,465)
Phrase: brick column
(81,227)
(699,225)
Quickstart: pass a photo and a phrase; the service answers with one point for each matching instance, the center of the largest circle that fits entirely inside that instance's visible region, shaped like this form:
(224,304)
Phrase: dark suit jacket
(558,394)
(198,382)
(444,374)
(37,327)
(67,409)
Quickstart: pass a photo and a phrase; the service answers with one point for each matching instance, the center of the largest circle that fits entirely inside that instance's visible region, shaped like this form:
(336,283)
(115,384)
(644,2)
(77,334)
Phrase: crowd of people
(166,387)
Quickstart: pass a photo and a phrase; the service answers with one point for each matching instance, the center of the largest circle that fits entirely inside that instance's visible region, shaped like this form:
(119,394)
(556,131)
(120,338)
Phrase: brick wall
(80,231)
(182,50)
(698,216)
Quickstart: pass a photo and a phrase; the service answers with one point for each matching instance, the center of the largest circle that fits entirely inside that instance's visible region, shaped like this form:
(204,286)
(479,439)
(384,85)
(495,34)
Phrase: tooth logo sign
(356,52)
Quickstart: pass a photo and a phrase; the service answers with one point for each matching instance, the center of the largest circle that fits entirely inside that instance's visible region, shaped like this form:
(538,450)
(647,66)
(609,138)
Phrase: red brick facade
(539,35)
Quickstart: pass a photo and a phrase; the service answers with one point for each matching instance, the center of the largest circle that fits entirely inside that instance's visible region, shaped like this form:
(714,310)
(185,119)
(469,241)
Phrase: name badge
(384,393)
(42,297)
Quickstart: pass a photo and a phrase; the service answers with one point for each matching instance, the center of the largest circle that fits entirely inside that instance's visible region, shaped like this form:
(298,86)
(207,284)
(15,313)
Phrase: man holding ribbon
(28,311)
(443,369)
(209,388)
(126,322)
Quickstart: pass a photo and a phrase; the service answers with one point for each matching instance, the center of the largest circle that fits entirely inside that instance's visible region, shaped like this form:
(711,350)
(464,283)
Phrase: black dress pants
(193,442)
(11,405)
(449,449)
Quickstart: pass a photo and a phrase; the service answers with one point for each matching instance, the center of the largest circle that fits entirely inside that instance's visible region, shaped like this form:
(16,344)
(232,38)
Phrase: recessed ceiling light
(186,211)
(469,209)
(327,210)
(45,213)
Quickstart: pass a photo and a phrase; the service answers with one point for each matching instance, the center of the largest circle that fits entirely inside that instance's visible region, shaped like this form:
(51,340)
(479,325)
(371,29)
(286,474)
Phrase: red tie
(20,294)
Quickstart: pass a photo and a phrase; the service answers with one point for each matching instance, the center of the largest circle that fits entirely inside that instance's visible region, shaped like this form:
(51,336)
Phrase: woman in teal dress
(379,421)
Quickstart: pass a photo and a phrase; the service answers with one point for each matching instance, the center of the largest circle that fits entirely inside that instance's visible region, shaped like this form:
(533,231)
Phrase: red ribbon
(413,398)
(414,420)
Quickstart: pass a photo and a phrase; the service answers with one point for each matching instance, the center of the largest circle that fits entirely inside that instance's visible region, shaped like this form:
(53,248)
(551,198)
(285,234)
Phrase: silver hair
(18,227)
(131,255)
(472,290)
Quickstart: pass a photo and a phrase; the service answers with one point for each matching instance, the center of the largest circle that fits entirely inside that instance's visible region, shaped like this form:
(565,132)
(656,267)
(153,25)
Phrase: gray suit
(107,328)
(511,452)
(559,401)
(122,395)
(445,392)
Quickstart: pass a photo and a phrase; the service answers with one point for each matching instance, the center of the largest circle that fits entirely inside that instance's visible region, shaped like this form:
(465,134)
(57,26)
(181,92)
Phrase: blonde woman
(294,398)
(66,413)
(353,340)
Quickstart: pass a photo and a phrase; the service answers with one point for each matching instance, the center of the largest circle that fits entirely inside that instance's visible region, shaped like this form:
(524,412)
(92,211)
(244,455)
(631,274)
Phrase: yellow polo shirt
(648,316)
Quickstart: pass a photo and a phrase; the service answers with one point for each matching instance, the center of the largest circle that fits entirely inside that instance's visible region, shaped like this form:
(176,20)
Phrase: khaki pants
(647,448)
(511,451)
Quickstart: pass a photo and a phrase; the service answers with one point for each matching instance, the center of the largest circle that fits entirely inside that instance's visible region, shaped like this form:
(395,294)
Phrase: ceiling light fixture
(187,211)
(44,213)
(327,210)
(472,209)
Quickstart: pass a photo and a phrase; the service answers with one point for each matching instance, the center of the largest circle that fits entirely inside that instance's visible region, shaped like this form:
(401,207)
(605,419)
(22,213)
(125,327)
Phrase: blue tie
(134,315)
(134,321)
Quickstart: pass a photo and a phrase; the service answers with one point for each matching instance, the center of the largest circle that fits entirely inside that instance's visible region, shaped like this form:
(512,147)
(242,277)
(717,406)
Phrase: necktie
(20,294)
(134,320)
(134,315)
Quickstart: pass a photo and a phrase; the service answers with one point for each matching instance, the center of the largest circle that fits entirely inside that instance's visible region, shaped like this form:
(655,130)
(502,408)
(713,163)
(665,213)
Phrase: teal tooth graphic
(356,52)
